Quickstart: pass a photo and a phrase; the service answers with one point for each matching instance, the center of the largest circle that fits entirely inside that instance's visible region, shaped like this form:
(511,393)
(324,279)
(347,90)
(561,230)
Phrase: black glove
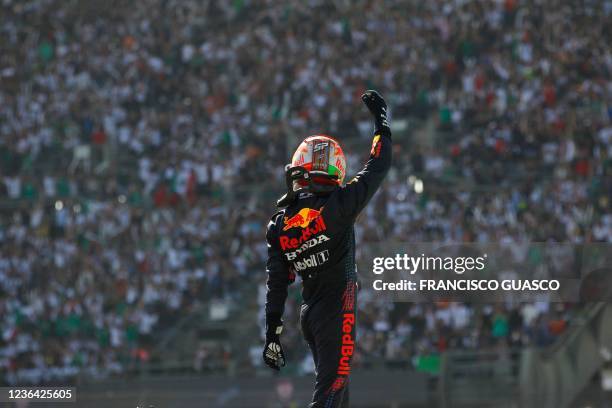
(378,108)
(273,354)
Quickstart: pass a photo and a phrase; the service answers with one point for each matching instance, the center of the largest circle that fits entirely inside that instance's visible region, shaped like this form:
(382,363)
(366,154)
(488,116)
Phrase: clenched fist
(378,108)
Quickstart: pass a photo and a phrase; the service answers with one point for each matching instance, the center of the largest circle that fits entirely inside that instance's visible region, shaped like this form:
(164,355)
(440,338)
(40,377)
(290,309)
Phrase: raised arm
(355,195)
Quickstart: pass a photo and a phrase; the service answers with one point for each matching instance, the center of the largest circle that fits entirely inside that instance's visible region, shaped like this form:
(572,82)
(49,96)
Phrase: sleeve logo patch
(375,152)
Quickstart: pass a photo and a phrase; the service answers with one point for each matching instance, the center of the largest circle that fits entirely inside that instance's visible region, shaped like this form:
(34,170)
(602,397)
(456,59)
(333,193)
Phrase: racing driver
(313,236)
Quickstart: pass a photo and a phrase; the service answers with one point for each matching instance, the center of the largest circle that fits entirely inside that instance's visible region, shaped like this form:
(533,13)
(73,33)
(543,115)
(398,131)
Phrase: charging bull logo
(302,219)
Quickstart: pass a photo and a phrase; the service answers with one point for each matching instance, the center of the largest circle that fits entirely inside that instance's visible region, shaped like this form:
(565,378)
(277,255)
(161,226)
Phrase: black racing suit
(314,237)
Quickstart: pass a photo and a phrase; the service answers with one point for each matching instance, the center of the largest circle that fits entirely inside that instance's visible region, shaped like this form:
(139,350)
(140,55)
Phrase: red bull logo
(348,344)
(310,231)
(302,219)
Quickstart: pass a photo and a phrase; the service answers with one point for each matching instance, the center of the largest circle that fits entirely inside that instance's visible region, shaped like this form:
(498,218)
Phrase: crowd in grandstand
(142,148)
